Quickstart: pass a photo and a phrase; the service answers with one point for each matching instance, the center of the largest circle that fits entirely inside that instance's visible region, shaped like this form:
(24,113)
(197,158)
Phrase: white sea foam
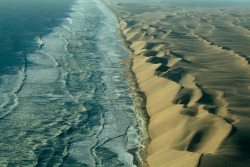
(80,13)
(9,87)
(40,42)
(70,21)
(112,54)
(55,45)
(48,75)
(56,75)
(133,137)
(81,150)
(121,151)
(67,28)
(42,58)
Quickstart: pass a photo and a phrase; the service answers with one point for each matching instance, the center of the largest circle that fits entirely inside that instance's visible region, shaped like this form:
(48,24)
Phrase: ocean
(63,100)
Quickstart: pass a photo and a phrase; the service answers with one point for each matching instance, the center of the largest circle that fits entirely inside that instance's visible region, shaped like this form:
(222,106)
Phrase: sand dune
(192,63)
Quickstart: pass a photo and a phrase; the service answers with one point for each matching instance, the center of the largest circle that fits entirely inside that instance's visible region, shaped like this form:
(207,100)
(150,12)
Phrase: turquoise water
(63,101)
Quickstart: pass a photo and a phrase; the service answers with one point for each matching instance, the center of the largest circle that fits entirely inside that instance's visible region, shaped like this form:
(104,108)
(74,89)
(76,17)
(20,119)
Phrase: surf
(72,106)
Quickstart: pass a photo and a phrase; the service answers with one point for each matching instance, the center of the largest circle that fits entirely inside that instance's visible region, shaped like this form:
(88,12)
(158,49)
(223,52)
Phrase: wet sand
(192,62)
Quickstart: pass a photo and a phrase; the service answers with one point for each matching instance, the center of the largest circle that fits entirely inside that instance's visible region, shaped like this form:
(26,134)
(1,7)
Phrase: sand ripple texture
(192,61)
(69,105)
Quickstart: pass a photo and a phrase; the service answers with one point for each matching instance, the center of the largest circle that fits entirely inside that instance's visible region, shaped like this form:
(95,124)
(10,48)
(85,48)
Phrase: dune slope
(192,63)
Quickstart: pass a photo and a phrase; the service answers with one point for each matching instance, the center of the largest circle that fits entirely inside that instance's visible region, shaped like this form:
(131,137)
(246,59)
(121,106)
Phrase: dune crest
(193,66)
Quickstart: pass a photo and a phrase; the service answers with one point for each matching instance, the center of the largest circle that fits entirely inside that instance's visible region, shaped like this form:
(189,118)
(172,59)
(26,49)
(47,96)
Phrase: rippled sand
(192,62)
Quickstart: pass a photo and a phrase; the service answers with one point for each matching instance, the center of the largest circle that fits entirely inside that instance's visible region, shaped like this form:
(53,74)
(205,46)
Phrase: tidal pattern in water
(68,105)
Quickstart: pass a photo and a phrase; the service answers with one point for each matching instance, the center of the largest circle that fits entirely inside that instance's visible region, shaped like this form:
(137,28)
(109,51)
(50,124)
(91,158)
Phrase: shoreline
(140,111)
(189,73)
(145,93)
(133,56)
(138,97)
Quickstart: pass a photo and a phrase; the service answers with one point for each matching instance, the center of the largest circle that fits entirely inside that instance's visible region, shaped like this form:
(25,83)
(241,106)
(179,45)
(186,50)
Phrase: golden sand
(192,63)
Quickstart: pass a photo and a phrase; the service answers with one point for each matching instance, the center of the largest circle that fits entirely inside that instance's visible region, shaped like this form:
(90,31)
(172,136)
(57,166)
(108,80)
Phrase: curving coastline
(193,66)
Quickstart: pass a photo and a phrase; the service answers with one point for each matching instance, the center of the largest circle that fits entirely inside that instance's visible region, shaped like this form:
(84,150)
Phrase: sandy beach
(192,62)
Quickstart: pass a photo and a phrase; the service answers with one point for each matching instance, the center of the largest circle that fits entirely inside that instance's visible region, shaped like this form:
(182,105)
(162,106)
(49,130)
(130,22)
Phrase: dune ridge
(194,69)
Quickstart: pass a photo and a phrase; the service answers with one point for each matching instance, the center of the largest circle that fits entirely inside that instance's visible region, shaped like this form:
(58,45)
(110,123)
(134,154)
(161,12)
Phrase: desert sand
(192,62)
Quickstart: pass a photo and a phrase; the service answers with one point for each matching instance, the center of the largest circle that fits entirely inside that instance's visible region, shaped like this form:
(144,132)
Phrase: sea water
(63,100)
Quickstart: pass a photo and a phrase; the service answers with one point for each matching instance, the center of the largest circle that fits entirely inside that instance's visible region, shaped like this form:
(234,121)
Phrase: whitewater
(68,105)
